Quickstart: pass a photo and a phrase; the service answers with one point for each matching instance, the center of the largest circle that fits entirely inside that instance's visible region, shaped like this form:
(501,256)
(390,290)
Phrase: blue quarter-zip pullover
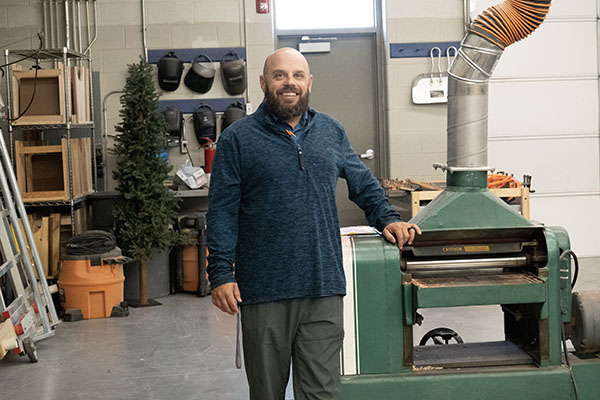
(272,209)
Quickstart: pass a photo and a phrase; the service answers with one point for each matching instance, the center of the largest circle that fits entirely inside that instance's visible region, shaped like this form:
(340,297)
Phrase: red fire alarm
(262,6)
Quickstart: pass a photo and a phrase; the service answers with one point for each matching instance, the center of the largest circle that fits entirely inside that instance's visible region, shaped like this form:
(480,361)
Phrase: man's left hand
(401,233)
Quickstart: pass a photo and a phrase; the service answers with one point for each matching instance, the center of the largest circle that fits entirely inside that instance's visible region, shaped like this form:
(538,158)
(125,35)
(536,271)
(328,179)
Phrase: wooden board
(39,228)
(82,222)
(8,337)
(88,186)
(78,89)
(20,167)
(41,149)
(41,237)
(424,185)
(88,106)
(54,239)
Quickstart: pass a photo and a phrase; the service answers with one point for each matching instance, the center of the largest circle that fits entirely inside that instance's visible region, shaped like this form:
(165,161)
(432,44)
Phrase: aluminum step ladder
(27,313)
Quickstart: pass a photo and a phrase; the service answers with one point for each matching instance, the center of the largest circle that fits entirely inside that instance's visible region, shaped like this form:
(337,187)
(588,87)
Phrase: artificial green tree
(146,209)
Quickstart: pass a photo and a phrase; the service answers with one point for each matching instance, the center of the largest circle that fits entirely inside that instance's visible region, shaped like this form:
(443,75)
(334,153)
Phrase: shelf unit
(66,56)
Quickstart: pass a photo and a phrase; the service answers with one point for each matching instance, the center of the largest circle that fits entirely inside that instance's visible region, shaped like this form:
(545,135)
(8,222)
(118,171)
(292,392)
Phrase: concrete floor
(182,350)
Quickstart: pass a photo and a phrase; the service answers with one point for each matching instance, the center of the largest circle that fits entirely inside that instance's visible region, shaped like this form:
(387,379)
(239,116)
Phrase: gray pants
(309,332)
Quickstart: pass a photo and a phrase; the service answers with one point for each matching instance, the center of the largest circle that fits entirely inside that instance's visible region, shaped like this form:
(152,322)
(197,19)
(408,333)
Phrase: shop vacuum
(91,277)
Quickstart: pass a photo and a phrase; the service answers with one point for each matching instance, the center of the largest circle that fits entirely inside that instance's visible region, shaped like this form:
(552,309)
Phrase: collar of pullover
(280,127)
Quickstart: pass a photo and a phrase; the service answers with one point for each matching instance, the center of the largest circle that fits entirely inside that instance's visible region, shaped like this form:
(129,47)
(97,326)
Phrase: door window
(324,14)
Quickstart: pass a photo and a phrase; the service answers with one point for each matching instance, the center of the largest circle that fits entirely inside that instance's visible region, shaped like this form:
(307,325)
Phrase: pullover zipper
(298,148)
(300,157)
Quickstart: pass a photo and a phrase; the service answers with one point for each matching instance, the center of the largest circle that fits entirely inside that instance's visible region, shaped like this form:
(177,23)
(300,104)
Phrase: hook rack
(413,50)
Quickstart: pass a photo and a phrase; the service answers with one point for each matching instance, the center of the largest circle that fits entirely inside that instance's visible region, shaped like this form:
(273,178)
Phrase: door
(345,87)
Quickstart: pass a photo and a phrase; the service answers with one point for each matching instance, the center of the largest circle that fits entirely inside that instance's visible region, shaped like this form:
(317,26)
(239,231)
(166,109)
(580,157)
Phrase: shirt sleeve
(223,211)
(365,190)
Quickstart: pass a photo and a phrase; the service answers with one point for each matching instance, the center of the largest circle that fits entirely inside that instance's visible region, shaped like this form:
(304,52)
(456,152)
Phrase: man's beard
(283,111)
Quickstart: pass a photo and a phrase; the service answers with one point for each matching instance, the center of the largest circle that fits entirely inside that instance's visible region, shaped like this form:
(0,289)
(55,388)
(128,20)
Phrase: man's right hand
(226,297)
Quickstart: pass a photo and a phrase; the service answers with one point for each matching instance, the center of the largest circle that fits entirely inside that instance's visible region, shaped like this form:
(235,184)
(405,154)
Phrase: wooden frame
(48,107)
(50,93)
(43,171)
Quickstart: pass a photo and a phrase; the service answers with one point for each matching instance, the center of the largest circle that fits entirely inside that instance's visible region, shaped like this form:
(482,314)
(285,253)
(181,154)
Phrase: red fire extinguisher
(262,6)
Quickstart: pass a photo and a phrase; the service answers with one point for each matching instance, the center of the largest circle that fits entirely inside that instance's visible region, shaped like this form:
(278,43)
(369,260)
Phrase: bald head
(286,82)
(285,55)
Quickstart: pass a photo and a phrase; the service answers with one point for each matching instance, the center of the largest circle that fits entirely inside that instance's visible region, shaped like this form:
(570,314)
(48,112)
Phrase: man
(272,214)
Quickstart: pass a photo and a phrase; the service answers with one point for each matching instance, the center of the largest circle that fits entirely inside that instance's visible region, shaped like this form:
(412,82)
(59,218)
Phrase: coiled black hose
(91,242)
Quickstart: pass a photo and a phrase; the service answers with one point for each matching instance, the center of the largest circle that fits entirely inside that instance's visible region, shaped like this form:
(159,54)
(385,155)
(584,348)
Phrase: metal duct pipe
(80,43)
(51,21)
(95,14)
(468,102)
(45,15)
(493,30)
(74,23)
(87,16)
(105,127)
(144,31)
(67,26)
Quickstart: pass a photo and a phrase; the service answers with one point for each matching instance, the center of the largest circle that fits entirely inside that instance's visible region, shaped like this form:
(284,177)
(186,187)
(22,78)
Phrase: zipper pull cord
(300,158)
(299,150)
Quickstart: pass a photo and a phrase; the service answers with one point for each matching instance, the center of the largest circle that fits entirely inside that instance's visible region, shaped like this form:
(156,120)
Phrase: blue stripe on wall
(187,106)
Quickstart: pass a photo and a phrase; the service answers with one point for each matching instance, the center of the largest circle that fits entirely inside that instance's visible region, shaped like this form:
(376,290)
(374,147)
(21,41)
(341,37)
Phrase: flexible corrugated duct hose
(510,21)
(494,29)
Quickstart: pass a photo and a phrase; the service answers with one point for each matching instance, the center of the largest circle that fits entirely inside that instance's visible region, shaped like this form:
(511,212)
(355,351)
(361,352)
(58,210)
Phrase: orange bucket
(93,289)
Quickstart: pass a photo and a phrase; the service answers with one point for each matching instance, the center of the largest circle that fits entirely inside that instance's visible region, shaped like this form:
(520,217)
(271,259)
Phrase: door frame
(381,137)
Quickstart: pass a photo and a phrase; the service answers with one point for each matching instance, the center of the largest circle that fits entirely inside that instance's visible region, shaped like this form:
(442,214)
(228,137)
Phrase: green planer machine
(474,250)
(525,269)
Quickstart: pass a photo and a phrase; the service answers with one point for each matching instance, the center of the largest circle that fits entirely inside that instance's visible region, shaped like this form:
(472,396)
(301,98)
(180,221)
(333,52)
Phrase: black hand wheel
(440,336)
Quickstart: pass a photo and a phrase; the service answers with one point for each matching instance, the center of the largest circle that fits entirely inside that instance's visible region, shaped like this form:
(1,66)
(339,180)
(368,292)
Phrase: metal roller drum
(461,264)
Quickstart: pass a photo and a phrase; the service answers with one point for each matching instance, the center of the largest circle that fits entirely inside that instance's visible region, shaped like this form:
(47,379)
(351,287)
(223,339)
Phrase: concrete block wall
(417,133)
(20,21)
(180,24)
(176,24)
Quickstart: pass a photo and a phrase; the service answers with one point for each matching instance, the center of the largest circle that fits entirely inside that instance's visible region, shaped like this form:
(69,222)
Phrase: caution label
(473,249)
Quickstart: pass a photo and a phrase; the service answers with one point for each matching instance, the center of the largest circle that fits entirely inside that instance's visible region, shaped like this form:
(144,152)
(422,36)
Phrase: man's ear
(310,79)
(263,83)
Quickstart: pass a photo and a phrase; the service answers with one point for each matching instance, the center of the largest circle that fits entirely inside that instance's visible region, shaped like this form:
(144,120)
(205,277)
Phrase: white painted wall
(543,120)
(417,134)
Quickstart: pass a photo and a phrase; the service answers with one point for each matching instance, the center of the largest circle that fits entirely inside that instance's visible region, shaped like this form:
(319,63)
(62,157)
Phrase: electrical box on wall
(262,6)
